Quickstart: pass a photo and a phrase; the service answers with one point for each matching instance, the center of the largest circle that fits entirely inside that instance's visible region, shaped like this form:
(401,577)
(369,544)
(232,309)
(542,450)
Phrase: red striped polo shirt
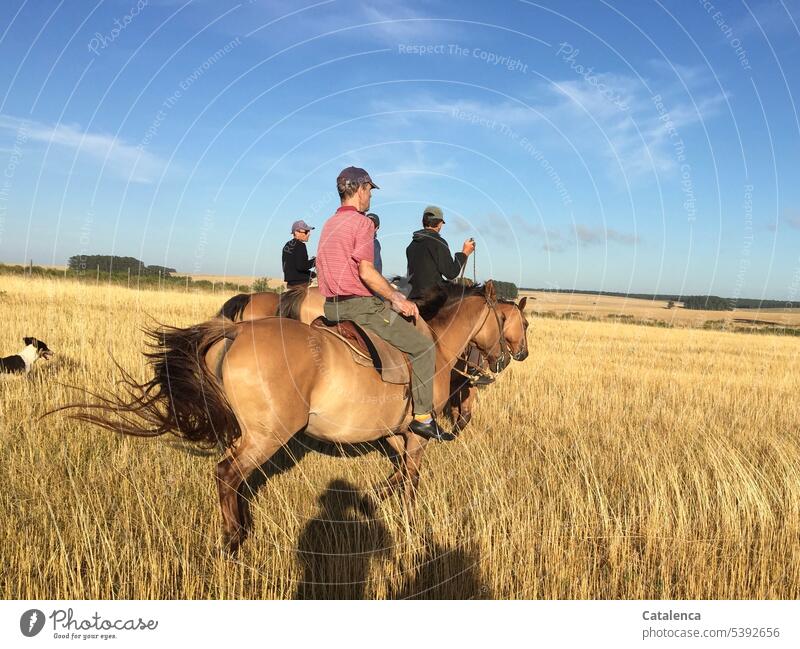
(346,239)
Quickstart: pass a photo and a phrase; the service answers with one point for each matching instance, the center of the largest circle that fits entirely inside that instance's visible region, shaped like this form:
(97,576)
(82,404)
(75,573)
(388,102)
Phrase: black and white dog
(23,362)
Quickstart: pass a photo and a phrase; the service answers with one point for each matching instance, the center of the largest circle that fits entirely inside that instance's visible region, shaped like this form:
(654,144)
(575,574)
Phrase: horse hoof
(384,490)
(232,543)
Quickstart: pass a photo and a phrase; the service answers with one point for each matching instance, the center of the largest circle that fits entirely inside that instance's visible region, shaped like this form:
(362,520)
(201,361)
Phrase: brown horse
(306,304)
(462,393)
(303,303)
(251,387)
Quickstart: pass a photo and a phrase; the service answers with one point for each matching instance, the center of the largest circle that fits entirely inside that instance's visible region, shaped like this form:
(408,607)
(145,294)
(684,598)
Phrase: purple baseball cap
(300,225)
(355,175)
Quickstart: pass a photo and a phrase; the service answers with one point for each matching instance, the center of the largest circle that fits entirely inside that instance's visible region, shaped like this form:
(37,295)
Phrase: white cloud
(126,160)
(397,24)
(465,111)
(612,116)
(620,118)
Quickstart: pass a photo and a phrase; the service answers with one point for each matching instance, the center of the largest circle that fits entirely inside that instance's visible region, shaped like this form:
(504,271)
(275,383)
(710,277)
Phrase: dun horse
(251,387)
(302,303)
(306,304)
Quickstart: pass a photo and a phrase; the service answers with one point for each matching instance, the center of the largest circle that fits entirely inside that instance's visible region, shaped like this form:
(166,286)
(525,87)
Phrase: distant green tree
(261,285)
(506,290)
(671,304)
(707,303)
(116,264)
(154,270)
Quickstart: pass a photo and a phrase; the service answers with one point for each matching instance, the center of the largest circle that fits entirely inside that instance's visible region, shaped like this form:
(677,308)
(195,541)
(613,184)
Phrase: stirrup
(430,430)
(481,380)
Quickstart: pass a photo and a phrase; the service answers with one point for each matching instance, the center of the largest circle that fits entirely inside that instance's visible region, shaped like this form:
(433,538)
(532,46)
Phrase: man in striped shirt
(349,281)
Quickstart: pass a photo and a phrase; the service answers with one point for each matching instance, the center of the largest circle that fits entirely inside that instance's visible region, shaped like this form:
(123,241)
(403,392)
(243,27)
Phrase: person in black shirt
(377,261)
(429,259)
(296,264)
(429,255)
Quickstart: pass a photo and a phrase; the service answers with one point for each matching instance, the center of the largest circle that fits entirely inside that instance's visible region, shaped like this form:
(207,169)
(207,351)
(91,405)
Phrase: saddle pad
(370,349)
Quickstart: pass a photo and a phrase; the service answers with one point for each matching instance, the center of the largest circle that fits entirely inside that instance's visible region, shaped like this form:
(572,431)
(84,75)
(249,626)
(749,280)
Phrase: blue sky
(625,146)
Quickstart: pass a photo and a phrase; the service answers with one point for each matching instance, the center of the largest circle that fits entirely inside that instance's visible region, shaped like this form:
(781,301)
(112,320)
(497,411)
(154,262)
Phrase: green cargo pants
(376,315)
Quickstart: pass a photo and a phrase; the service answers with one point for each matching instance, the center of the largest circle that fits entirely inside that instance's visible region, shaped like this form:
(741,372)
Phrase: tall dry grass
(617,462)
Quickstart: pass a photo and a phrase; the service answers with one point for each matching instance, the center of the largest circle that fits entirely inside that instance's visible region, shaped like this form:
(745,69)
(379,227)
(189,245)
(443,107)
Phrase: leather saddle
(369,349)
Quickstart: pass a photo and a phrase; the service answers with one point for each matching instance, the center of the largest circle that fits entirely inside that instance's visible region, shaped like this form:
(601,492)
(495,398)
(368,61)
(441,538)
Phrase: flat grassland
(653,311)
(617,461)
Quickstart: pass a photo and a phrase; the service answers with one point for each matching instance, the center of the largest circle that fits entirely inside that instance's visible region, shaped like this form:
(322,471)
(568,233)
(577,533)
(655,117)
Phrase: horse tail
(185,397)
(234,308)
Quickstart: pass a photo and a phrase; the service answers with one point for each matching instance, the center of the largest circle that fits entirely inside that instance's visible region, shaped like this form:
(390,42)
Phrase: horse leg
(466,400)
(397,445)
(454,403)
(253,450)
(415,450)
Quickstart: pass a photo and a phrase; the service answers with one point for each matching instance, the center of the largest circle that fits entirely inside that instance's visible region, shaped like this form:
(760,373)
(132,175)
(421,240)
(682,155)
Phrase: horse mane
(439,298)
(290,301)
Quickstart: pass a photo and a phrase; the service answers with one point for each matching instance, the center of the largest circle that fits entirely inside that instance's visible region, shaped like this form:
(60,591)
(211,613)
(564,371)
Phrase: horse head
(490,338)
(515,328)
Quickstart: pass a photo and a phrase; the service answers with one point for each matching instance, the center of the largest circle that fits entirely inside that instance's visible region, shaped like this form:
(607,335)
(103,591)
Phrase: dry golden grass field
(650,311)
(618,461)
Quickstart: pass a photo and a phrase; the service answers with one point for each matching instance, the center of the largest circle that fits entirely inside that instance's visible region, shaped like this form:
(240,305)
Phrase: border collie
(23,362)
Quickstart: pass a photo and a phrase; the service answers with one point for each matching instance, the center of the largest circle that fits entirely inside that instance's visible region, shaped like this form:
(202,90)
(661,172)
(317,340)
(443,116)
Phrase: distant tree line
(115,264)
(121,278)
(715,303)
(708,303)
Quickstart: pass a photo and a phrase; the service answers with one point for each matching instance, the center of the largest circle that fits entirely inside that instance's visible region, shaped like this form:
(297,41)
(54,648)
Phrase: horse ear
(522,303)
(490,293)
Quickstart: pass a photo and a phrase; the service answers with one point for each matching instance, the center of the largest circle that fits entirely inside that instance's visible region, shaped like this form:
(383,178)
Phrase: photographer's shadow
(445,573)
(337,545)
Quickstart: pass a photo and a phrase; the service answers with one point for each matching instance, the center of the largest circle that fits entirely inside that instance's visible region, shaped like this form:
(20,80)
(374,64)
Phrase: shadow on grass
(338,543)
(444,573)
(345,536)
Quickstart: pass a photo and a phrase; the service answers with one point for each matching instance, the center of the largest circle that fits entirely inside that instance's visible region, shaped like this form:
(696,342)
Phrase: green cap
(432,214)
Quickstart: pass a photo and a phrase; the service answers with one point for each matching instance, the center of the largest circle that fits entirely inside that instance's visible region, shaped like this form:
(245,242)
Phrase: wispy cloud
(409,168)
(630,130)
(774,18)
(396,24)
(555,239)
(128,161)
(613,116)
(492,115)
(384,21)
(789,219)
(595,235)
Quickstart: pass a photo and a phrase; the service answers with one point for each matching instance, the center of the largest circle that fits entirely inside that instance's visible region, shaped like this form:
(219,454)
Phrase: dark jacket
(296,264)
(428,259)
(377,261)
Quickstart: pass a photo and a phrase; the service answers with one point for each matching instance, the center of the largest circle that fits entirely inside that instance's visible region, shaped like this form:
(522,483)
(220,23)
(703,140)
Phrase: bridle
(505,355)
